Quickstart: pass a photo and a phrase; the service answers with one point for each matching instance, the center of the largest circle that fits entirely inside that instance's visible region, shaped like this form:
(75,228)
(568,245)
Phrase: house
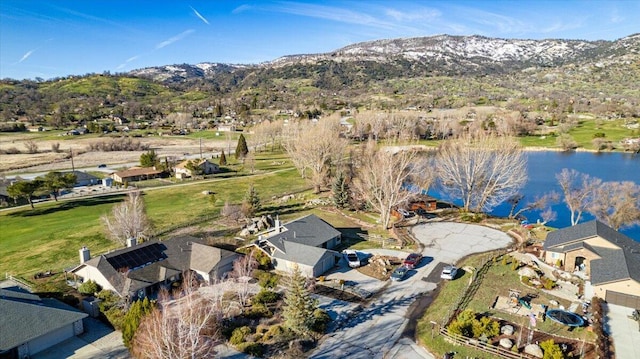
(136,174)
(30,324)
(306,243)
(609,260)
(84,178)
(204,167)
(143,269)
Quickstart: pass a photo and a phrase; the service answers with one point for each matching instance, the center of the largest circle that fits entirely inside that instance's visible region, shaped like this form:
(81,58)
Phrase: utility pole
(73,168)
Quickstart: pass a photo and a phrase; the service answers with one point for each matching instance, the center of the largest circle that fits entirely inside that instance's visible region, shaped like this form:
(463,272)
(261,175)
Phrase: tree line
(53,183)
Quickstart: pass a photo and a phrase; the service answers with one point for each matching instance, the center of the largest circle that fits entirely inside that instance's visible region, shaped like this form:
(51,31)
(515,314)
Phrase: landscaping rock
(528,272)
(554,302)
(506,343)
(534,350)
(507,330)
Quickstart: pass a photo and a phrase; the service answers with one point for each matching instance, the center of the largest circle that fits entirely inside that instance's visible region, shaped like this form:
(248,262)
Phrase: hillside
(439,71)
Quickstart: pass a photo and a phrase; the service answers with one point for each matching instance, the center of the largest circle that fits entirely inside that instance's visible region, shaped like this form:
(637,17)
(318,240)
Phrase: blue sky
(49,39)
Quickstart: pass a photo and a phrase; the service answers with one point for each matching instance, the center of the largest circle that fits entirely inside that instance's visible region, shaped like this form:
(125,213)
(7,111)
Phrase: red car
(412,260)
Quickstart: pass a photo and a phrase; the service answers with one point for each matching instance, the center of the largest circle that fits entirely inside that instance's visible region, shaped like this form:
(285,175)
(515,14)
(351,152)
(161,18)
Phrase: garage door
(625,300)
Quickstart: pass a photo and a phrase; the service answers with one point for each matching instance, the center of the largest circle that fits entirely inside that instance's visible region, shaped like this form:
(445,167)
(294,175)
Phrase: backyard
(500,279)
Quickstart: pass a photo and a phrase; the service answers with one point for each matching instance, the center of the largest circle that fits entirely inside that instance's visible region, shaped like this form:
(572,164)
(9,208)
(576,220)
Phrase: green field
(49,236)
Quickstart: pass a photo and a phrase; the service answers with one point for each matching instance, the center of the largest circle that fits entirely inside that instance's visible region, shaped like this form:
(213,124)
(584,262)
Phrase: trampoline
(565,317)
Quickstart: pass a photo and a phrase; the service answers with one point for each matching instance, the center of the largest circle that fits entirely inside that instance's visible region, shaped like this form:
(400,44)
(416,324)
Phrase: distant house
(226,128)
(306,242)
(30,324)
(205,167)
(142,270)
(84,178)
(136,174)
(609,259)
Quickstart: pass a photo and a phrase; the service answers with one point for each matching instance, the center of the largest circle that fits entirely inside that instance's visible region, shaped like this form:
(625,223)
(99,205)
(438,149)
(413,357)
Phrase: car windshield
(352,257)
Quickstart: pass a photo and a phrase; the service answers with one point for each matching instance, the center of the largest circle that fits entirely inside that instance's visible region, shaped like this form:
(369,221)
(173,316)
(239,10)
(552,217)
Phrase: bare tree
(185,327)
(243,268)
(481,171)
(31,145)
(317,148)
(578,189)
(128,220)
(380,176)
(232,212)
(617,204)
(539,203)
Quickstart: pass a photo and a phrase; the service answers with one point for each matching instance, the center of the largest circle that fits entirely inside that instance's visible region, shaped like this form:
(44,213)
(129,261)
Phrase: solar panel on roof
(137,257)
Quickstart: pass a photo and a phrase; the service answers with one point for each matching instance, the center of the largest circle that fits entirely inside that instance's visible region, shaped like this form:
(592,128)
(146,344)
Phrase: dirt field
(47,160)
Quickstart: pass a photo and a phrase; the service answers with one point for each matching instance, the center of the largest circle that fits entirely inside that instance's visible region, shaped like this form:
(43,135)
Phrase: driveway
(377,330)
(623,330)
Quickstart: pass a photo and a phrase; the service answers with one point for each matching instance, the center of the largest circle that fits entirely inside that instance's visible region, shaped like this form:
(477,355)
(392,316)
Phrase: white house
(203,167)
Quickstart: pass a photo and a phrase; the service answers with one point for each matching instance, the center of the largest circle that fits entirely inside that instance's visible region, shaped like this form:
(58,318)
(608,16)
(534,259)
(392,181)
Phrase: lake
(544,165)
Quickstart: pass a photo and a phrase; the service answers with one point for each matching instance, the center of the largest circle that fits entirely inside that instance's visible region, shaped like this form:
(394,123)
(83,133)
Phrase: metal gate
(625,300)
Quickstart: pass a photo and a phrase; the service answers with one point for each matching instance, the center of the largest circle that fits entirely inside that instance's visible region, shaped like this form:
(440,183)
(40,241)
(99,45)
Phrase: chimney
(84,254)
(277,225)
(131,242)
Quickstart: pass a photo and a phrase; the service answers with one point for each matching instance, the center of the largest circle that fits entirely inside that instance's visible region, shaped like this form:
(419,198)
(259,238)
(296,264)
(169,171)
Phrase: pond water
(543,167)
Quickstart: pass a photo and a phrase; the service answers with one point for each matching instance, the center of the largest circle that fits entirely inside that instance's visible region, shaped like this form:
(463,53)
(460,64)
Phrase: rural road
(381,329)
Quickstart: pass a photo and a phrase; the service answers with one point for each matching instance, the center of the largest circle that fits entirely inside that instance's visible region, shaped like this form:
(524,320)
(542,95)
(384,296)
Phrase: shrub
(559,263)
(526,281)
(548,283)
(239,335)
(599,135)
(321,319)
(463,324)
(252,348)
(504,260)
(266,296)
(89,288)
(551,350)
(257,311)
(485,326)
(515,264)
(267,279)
(275,331)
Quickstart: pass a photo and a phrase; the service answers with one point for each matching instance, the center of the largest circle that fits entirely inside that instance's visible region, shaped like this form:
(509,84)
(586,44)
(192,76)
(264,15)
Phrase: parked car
(404,212)
(449,272)
(399,273)
(352,258)
(412,260)
(102,165)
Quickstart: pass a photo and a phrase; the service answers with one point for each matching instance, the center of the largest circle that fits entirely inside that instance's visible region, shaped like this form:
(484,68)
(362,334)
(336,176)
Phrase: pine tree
(132,319)
(341,191)
(223,159)
(299,306)
(241,148)
(251,203)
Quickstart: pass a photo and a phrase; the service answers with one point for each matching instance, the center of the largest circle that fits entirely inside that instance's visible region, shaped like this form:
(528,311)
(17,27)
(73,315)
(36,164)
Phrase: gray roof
(25,316)
(301,253)
(615,264)
(310,230)
(134,268)
(83,176)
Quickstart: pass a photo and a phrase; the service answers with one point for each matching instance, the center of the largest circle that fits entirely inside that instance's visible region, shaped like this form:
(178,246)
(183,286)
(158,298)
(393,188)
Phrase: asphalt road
(384,328)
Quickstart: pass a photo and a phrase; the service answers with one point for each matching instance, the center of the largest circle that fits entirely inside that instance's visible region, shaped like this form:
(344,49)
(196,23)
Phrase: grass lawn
(49,236)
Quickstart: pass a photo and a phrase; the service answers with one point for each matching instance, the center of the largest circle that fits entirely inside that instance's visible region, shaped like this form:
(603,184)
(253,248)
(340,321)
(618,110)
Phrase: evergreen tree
(149,159)
(341,191)
(251,203)
(241,148)
(299,306)
(132,319)
(223,159)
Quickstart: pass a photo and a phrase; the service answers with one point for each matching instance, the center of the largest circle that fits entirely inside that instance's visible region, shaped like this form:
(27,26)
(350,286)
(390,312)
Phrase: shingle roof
(310,230)
(24,317)
(137,171)
(134,268)
(300,253)
(615,264)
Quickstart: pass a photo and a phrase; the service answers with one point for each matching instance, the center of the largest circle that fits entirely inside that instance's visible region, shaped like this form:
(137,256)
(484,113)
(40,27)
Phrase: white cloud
(241,8)
(173,39)
(26,55)
(199,15)
(417,15)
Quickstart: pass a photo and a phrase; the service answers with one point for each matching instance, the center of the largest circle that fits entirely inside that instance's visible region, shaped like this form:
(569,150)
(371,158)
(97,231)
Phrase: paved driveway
(624,331)
(376,331)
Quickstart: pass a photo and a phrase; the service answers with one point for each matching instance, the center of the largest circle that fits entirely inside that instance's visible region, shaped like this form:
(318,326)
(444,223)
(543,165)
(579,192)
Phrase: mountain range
(434,55)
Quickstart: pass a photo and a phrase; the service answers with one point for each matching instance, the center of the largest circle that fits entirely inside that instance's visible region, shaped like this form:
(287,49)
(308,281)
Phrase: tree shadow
(67,205)
(351,236)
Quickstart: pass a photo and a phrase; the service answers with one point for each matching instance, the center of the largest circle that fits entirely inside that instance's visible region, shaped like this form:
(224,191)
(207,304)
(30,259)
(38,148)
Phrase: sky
(57,38)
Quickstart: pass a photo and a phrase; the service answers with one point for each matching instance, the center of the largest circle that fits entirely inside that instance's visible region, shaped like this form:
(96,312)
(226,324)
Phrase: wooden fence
(497,351)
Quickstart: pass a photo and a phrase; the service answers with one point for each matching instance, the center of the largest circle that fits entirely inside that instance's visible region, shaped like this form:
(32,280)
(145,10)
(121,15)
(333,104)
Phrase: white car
(404,212)
(449,272)
(352,258)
